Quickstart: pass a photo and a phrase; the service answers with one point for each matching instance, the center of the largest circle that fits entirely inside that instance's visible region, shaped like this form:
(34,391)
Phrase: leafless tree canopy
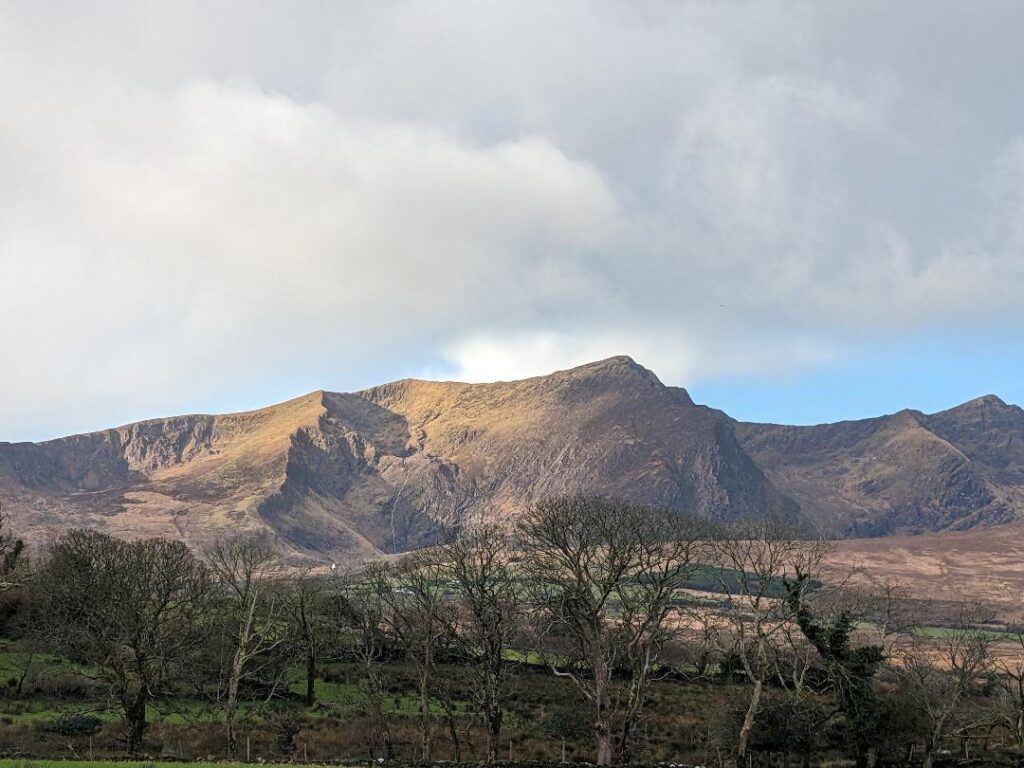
(755,560)
(135,610)
(602,578)
(940,675)
(420,619)
(489,603)
(13,565)
(251,614)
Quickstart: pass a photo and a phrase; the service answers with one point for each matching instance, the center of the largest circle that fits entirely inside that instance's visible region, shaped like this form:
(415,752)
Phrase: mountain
(336,475)
(906,473)
(353,475)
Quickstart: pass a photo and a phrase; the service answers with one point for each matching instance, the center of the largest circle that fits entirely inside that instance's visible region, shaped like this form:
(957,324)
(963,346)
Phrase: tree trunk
(375,695)
(602,705)
(627,738)
(494,716)
(748,720)
(604,743)
(631,717)
(310,676)
(24,673)
(934,741)
(453,732)
(235,675)
(231,706)
(639,684)
(867,757)
(425,718)
(494,712)
(135,716)
(603,728)
(385,735)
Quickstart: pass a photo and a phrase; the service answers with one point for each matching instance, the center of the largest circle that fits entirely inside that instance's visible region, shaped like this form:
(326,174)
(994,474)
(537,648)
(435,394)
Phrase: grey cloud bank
(198,198)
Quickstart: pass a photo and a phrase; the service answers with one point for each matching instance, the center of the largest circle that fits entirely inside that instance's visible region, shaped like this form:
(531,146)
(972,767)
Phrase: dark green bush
(75,725)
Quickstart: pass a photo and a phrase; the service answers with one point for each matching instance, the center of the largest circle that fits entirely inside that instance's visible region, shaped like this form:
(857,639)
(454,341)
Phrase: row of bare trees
(610,596)
(597,590)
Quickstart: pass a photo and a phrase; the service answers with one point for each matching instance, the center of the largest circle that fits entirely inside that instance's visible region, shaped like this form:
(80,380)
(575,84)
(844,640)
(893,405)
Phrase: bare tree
(420,618)
(362,612)
(490,603)
(941,673)
(311,626)
(1010,666)
(890,615)
(667,547)
(13,563)
(603,576)
(135,610)
(251,614)
(756,560)
(17,601)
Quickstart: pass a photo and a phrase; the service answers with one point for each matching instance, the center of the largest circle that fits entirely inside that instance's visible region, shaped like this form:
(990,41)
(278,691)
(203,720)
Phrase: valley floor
(981,565)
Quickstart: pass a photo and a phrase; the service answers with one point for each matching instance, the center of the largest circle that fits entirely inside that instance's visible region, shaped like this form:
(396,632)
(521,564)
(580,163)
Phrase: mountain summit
(336,475)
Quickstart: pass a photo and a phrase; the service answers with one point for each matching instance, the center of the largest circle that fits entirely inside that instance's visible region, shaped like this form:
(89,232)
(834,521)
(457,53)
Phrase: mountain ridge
(907,472)
(334,474)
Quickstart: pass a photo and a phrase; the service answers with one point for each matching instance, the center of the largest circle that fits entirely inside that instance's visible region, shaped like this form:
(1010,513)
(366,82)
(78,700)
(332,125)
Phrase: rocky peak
(983,404)
(620,368)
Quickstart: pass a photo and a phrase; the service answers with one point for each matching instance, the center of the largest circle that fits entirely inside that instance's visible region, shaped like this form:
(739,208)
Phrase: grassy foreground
(9,763)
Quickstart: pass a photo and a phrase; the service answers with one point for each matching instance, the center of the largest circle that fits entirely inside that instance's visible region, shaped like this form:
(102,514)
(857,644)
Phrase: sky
(800,211)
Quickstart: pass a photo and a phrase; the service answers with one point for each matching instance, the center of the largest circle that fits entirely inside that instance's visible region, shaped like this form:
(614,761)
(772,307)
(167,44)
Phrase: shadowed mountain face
(905,473)
(352,475)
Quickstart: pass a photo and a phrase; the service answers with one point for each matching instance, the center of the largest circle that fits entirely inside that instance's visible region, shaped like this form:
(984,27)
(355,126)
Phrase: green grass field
(7,763)
(941,632)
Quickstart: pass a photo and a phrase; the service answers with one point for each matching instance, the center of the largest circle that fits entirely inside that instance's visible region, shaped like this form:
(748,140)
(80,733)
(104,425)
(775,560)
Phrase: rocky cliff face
(906,473)
(352,475)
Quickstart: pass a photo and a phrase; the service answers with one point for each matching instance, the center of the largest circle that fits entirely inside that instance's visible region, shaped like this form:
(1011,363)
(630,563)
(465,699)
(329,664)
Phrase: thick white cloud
(199,199)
